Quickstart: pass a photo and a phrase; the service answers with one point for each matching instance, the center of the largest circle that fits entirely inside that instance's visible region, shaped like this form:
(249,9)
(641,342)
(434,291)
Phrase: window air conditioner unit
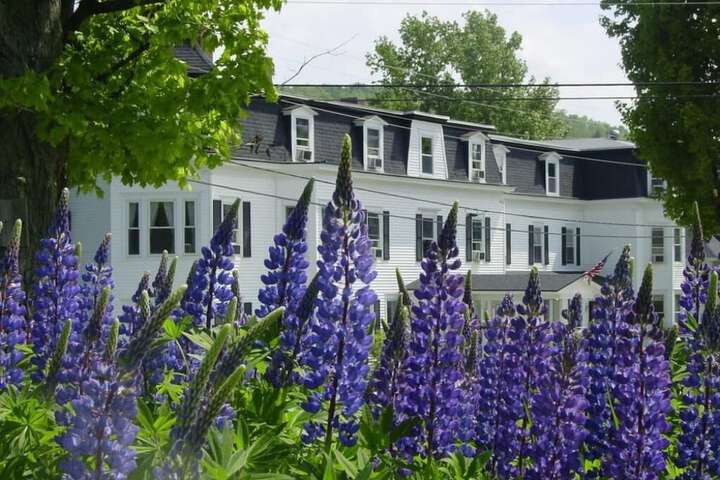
(478,256)
(375,163)
(303,155)
(478,175)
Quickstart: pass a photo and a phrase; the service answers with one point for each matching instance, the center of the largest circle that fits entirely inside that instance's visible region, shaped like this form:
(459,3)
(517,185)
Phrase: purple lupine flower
(210,288)
(699,442)
(609,317)
(56,291)
(164,278)
(285,281)
(573,314)
(335,348)
(130,318)
(12,312)
(558,408)
(97,276)
(383,386)
(429,385)
(496,420)
(529,349)
(640,395)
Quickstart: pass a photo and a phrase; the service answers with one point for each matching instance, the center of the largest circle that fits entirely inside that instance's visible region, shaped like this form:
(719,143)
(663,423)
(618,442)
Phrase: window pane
(552,185)
(190,214)
(427,164)
(161,214)
(426,146)
(302,128)
(134,215)
(189,240)
(658,246)
(551,169)
(162,239)
(428,228)
(677,244)
(374,228)
(134,242)
(476,230)
(373,139)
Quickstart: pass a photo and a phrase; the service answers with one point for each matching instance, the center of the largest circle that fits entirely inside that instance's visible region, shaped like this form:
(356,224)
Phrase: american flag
(596,269)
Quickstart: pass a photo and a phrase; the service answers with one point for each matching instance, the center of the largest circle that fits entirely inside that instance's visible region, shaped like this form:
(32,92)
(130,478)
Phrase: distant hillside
(578,126)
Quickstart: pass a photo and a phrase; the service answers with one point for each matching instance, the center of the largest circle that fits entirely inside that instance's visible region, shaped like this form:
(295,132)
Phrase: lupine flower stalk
(56,290)
(573,315)
(335,350)
(640,394)
(429,385)
(285,281)
(12,312)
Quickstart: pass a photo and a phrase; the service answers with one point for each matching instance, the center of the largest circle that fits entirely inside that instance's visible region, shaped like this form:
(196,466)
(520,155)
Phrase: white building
(559,205)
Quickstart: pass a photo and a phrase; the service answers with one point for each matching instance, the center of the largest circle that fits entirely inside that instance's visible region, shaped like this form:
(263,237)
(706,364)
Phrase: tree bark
(33,171)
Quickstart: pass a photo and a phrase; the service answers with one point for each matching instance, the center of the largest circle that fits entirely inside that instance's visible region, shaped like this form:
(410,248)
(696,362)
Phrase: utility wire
(508,85)
(415,3)
(448,205)
(401,217)
(532,99)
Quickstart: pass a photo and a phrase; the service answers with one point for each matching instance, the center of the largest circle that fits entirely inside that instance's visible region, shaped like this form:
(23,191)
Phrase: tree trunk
(32,171)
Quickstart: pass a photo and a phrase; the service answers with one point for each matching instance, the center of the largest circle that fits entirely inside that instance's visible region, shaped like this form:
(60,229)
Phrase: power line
(448,205)
(401,217)
(507,85)
(527,149)
(533,99)
(416,3)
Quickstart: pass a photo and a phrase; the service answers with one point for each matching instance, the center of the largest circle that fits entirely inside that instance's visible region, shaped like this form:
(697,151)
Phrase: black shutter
(563,245)
(418,237)
(386,235)
(577,246)
(547,244)
(216,214)
(246,230)
(488,233)
(439,228)
(468,237)
(531,241)
(508,244)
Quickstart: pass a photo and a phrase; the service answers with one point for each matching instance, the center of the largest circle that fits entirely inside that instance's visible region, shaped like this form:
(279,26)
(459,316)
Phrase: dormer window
(302,132)
(373,157)
(656,185)
(427,155)
(476,156)
(500,152)
(552,173)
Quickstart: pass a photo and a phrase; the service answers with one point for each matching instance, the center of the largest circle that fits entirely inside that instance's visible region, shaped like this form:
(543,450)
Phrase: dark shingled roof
(197,60)
(517,281)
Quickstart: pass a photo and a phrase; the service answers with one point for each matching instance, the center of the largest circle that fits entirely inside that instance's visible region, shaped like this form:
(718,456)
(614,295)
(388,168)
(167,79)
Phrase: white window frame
(194,226)
(554,159)
(423,155)
(373,123)
(539,241)
(500,152)
(139,228)
(478,254)
(570,243)
(377,248)
(474,140)
(428,215)
(651,180)
(657,253)
(306,113)
(678,244)
(149,227)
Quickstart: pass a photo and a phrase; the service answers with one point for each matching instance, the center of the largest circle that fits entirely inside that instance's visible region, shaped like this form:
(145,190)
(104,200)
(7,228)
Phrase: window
(374,222)
(500,152)
(162,227)
(189,233)
(538,244)
(247,308)
(508,244)
(658,302)
(677,245)
(237,248)
(569,245)
(656,185)
(302,128)
(427,155)
(133,228)
(374,148)
(657,250)
(678,307)
(428,232)
(551,177)
(478,247)
(477,162)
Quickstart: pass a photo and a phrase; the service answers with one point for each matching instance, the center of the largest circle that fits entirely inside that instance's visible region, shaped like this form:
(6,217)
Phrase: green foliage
(674,126)
(120,103)
(478,50)
(581,126)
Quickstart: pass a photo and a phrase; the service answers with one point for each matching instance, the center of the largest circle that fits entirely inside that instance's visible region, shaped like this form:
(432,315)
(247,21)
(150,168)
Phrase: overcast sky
(565,43)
